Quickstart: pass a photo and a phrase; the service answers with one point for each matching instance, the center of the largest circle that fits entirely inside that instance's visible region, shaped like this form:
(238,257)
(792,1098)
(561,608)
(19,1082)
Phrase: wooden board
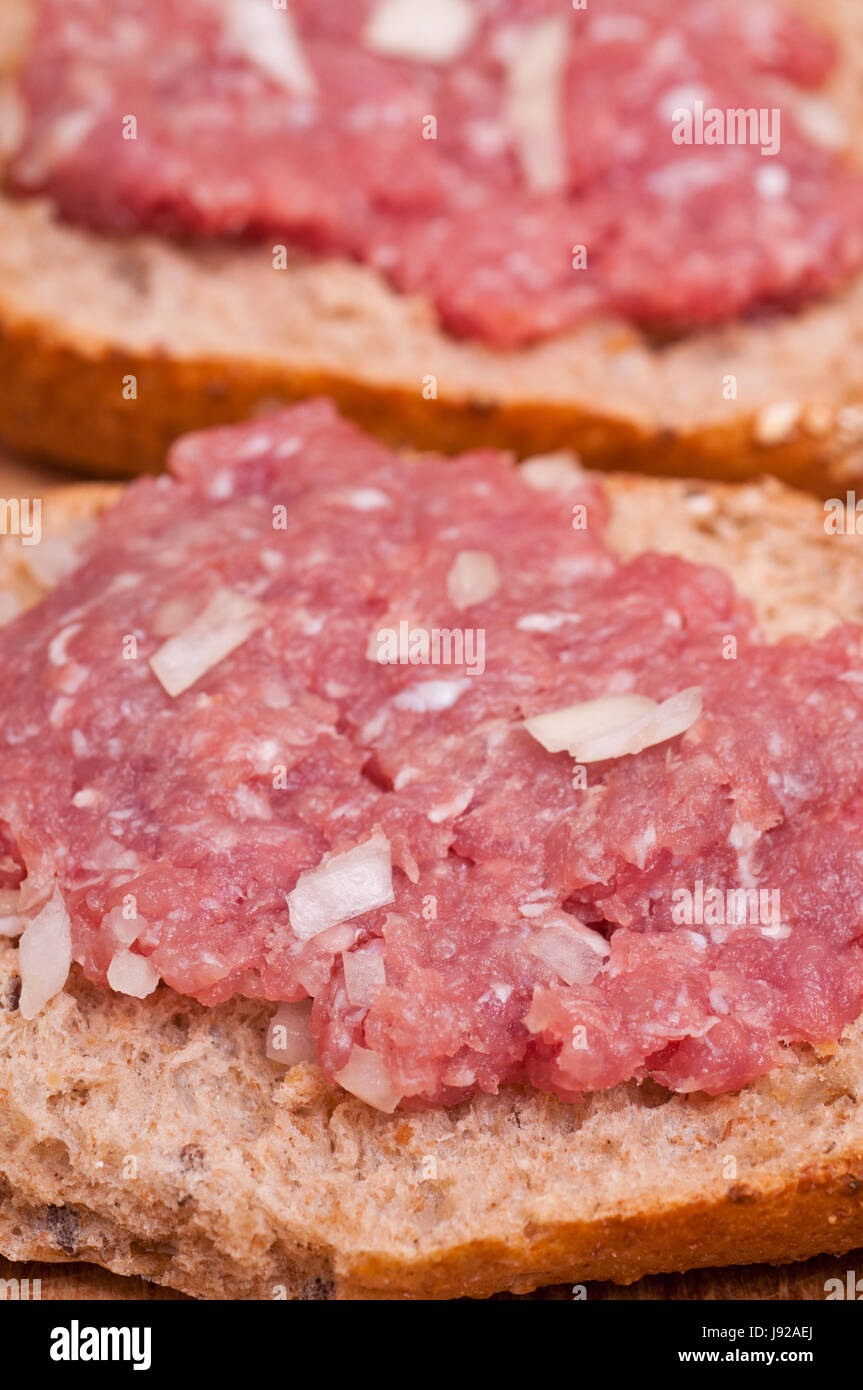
(79,1281)
(785,1283)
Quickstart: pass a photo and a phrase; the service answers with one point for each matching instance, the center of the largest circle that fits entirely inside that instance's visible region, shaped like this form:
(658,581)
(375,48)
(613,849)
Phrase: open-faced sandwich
(634,227)
(416,884)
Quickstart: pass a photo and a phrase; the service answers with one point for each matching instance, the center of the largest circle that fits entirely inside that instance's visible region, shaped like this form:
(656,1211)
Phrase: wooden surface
(78,1281)
(794,1283)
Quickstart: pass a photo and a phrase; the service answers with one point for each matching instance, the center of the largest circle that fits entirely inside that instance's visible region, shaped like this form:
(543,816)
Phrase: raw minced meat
(228,141)
(532,930)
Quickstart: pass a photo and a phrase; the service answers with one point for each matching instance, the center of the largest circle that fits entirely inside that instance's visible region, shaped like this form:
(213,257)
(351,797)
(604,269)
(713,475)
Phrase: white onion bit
(342,887)
(228,621)
(51,560)
(431,696)
(614,726)
(365,974)
(125,930)
(569,948)
(473,578)
(132,974)
(366,1077)
(289,1035)
(426,31)
(674,716)
(820,119)
(11,925)
(561,730)
(265,36)
(44,956)
(534,102)
(551,472)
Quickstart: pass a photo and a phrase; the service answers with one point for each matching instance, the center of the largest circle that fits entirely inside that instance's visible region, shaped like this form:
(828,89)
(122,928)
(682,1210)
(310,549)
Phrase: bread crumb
(850,422)
(302,1086)
(776,423)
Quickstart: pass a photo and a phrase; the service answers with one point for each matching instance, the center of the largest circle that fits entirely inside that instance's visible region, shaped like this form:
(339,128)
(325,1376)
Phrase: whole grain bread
(214,334)
(154,1137)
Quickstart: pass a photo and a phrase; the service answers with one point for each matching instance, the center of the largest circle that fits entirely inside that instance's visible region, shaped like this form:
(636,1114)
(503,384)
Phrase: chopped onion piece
(534,102)
(44,956)
(427,31)
(132,974)
(60,138)
(366,1077)
(674,716)
(562,730)
(51,560)
(431,696)
(551,472)
(289,1035)
(365,973)
(473,578)
(125,930)
(820,119)
(228,621)
(256,30)
(342,887)
(569,948)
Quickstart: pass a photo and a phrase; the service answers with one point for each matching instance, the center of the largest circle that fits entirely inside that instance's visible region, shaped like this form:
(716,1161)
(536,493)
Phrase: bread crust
(154,1137)
(216,334)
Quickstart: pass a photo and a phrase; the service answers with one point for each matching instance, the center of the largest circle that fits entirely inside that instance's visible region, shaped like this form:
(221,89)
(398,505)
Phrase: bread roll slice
(214,334)
(154,1137)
